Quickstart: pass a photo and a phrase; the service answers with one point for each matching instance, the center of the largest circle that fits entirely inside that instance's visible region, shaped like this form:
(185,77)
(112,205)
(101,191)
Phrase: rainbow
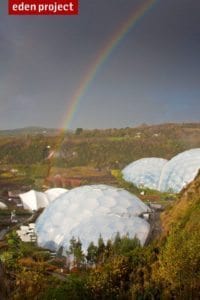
(102,57)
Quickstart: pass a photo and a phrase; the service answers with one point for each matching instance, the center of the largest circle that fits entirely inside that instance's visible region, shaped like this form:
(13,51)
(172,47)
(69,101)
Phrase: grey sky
(152,76)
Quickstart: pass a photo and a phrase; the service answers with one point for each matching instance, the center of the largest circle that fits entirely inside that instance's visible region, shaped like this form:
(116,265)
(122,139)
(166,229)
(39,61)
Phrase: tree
(92,253)
(78,131)
(101,249)
(75,250)
(111,279)
(178,266)
(60,252)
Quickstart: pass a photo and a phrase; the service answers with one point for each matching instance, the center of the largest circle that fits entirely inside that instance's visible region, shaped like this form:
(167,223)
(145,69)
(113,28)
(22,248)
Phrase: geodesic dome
(180,171)
(88,211)
(145,172)
(53,193)
(163,175)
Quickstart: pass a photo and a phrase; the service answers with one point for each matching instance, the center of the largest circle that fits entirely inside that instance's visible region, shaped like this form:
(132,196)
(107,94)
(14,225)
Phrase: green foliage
(92,253)
(29,285)
(124,184)
(112,148)
(7,258)
(119,269)
(38,170)
(74,288)
(78,131)
(41,255)
(179,259)
(10,257)
(125,245)
(179,262)
(110,280)
(75,250)
(183,257)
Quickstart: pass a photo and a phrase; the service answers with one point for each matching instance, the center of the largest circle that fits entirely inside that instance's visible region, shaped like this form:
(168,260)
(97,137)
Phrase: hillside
(166,268)
(185,213)
(179,259)
(87,156)
(99,148)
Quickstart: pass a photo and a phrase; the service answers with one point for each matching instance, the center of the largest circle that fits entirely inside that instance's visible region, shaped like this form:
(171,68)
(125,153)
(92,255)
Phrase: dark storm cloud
(152,76)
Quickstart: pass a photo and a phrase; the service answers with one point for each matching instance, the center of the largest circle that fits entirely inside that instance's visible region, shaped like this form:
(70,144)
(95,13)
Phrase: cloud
(44,59)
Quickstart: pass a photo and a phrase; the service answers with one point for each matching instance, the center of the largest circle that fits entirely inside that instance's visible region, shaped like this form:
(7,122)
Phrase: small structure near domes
(27,233)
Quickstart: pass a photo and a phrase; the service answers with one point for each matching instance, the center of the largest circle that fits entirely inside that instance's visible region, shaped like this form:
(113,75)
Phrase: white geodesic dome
(88,211)
(180,171)
(53,193)
(145,172)
(163,175)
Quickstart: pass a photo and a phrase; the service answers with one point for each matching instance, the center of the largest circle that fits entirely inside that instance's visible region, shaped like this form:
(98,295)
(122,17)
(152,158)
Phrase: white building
(27,233)
(33,200)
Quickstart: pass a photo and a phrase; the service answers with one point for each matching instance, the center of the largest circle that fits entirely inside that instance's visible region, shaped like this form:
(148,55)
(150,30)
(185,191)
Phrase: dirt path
(155,226)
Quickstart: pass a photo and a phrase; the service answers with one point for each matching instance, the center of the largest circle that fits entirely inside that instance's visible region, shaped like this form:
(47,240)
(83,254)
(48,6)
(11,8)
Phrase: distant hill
(104,149)
(29,131)
(191,128)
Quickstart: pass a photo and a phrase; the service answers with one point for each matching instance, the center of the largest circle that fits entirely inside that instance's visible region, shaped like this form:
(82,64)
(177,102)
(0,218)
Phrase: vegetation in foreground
(168,268)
